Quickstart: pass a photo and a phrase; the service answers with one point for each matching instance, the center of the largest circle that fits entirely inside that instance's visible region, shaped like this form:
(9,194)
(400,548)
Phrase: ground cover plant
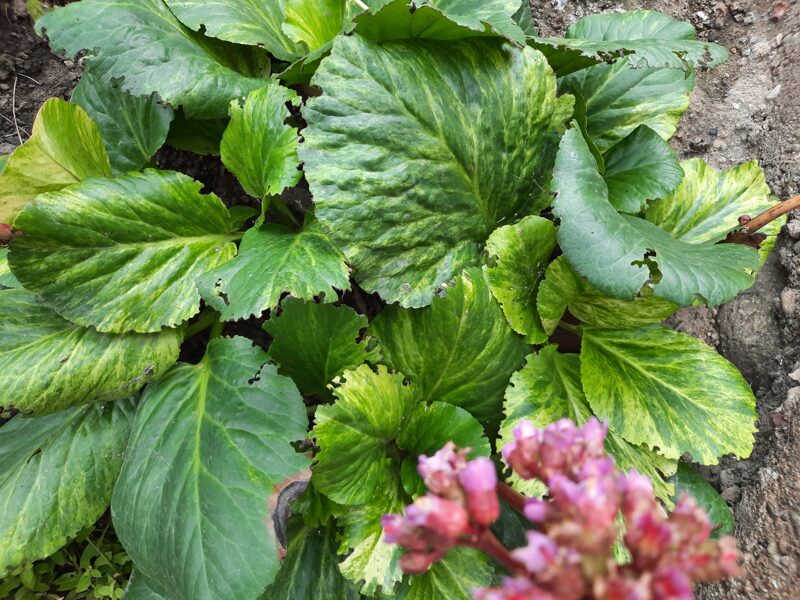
(496,228)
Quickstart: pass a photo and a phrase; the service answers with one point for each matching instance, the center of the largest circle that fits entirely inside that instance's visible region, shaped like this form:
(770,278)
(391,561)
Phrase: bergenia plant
(436,224)
(576,534)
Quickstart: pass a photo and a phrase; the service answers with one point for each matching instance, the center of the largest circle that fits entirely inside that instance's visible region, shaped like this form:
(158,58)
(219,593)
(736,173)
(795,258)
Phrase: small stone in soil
(731,494)
(789,301)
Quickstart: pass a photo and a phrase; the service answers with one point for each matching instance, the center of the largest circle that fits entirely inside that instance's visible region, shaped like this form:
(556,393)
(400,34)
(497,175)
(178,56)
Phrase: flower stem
(489,544)
(769,215)
(511,497)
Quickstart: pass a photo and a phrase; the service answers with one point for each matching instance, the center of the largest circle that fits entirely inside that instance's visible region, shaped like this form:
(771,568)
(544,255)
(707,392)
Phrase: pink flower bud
(514,589)
(479,480)
(397,530)
(540,556)
(637,495)
(537,510)
(440,471)
(716,560)
(445,518)
(594,437)
(647,538)
(690,524)
(671,584)
(620,588)
(417,563)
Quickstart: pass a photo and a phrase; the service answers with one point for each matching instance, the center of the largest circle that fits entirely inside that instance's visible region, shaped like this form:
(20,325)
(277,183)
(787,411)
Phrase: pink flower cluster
(569,555)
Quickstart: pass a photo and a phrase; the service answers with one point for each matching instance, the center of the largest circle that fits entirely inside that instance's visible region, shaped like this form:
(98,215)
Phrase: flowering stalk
(569,551)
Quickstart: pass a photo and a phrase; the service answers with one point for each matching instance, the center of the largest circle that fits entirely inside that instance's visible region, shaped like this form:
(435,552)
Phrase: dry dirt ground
(745,109)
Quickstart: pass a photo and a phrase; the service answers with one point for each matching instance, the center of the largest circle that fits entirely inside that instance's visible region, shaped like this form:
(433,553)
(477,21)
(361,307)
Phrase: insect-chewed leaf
(668,391)
(619,99)
(209,444)
(314,343)
(647,38)
(258,146)
(252,22)
(56,476)
(595,237)
(122,254)
(409,172)
(274,260)
(639,168)
(564,289)
(521,252)
(549,388)
(460,350)
(64,148)
(707,205)
(441,20)
(154,52)
(48,364)
(133,127)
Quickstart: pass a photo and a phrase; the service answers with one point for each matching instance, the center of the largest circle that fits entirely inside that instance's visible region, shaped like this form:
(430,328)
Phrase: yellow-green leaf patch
(48,364)
(122,254)
(65,147)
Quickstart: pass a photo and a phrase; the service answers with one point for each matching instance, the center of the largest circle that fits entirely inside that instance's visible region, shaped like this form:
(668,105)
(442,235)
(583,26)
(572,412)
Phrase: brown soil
(746,109)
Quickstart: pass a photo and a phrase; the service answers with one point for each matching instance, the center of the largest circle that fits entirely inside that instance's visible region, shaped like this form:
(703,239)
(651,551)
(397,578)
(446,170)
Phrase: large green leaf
(620,253)
(707,205)
(668,391)
(258,146)
(209,444)
(441,19)
(314,343)
(273,260)
(549,388)
(564,289)
(314,23)
(64,148)
(402,20)
(7,279)
(311,569)
(454,577)
(460,350)
(48,364)
(252,22)
(376,414)
(56,477)
(647,38)
(133,127)
(122,254)
(409,171)
(641,167)
(521,253)
(480,15)
(142,42)
(619,99)
(689,481)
